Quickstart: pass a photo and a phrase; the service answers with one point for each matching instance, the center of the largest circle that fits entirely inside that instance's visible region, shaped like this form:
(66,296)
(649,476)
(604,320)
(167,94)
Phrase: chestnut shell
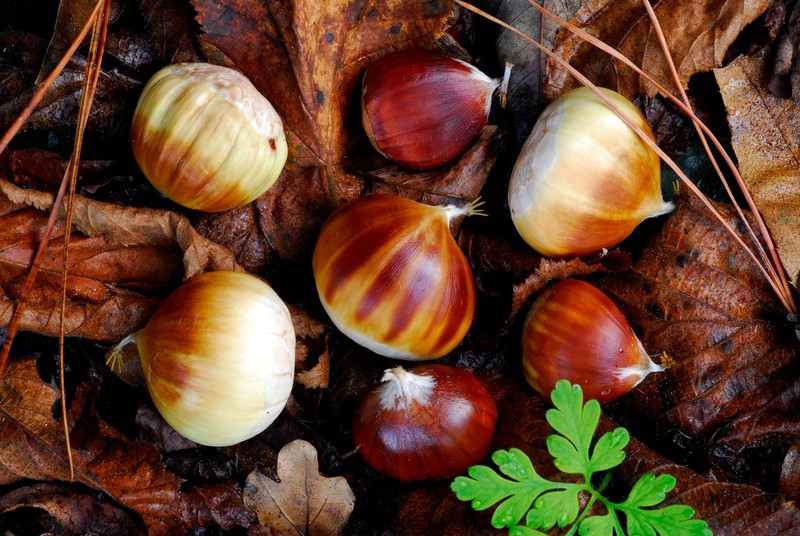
(440,439)
(575,332)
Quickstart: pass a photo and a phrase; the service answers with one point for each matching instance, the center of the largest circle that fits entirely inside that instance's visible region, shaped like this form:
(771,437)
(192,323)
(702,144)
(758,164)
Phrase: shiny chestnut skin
(393,279)
(423,108)
(435,431)
(575,332)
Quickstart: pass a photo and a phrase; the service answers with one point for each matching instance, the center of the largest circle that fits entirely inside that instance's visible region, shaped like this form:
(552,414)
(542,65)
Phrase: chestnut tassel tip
(402,388)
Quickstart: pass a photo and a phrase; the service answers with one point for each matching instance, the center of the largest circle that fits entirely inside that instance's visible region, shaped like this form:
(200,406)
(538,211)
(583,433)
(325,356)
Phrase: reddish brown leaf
(307,58)
(171,29)
(123,261)
(75,512)
(131,473)
(698,34)
(696,295)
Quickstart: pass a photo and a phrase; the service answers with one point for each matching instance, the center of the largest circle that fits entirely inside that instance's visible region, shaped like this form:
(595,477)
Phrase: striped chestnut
(584,179)
(205,137)
(433,422)
(422,108)
(393,279)
(575,332)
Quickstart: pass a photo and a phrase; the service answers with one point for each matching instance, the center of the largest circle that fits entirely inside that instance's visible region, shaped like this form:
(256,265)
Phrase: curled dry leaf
(304,501)
(122,262)
(764,136)
(312,340)
(698,34)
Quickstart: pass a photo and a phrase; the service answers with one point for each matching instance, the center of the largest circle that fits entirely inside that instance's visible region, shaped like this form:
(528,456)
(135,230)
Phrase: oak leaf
(698,34)
(304,501)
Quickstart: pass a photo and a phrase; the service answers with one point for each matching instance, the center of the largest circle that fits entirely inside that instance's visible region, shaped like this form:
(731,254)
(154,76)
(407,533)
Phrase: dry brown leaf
(304,501)
(764,136)
(698,34)
(123,261)
(734,390)
(133,474)
(307,57)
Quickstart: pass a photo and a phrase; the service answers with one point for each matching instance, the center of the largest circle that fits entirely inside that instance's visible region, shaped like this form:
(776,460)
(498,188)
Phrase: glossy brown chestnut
(393,279)
(422,108)
(433,422)
(575,332)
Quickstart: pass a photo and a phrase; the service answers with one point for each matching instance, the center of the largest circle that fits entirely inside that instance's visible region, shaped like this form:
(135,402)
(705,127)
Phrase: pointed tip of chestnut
(575,332)
(431,422)
(423,108)
(584,179)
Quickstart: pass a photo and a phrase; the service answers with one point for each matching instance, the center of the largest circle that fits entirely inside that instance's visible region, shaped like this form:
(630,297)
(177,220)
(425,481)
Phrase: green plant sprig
(545,504)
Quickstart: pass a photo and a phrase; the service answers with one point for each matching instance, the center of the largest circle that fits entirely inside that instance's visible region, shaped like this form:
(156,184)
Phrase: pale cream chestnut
(393,279)
(422,108)
(205,137)
(584,179)
(218,357)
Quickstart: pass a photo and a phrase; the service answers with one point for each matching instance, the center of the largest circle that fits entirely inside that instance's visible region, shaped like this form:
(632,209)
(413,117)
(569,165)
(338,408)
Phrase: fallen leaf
(698,34)
(304,501)
(123,261)
(730,394)
(76,512)
(72,16)
(171,28)
(131,473)
(307,58)
(763,135)
(528,74)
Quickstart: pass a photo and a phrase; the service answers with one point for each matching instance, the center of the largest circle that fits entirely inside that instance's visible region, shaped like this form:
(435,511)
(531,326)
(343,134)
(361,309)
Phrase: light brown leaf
(304,501)
(698,34)
(764,136)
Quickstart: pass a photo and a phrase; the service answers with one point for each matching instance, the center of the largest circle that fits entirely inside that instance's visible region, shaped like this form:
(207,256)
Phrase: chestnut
(430,423)
(422,108)
(575,332)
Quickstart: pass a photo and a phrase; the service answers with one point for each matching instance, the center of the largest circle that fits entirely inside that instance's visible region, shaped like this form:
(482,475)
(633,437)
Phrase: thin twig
(90,78)
(786,300)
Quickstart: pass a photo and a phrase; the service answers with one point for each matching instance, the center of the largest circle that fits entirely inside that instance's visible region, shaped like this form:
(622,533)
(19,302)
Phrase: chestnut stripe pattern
(392,278)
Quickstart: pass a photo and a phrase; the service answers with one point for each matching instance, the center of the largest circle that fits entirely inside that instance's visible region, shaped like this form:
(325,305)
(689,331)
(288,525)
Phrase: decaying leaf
(122,262)
(698,34)
(75,512)
(764,135)
(32,447)
(304,501)
(307,58)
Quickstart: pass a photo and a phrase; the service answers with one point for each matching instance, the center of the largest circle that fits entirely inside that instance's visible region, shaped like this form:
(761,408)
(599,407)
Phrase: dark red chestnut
(422,108)
(434,422)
